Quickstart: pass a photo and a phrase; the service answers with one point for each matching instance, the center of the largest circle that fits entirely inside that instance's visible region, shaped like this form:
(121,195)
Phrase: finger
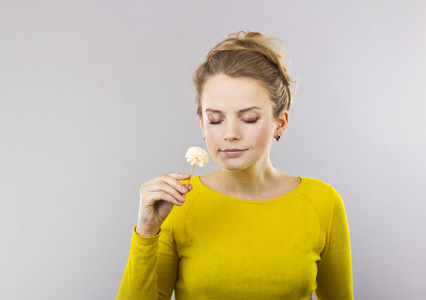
(173,182)
(174,188)
(175,176)
(178,176)
(171,179)
(162,195)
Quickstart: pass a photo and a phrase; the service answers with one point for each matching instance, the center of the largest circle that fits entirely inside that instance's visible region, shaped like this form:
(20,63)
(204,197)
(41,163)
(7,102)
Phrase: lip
(233,152)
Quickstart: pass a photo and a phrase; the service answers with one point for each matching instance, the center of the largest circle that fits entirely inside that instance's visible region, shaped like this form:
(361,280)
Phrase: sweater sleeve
(151,269)
(334,276)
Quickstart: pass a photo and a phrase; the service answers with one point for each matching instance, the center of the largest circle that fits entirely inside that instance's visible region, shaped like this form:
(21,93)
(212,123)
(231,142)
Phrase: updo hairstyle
(249,54)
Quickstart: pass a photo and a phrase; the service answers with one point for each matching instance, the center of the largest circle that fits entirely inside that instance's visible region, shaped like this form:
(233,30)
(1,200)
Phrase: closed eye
(245,121)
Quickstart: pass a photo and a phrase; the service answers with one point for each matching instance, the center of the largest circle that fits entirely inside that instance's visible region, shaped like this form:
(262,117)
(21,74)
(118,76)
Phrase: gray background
(97,97)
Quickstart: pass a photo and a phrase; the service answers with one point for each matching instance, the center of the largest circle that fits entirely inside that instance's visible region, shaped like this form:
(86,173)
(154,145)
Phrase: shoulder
(198,190)
(174,222)
(196,183)
(313,185)
(177,219)
(322,195)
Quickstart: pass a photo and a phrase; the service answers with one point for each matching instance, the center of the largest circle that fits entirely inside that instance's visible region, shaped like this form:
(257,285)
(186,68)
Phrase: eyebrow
(241,111)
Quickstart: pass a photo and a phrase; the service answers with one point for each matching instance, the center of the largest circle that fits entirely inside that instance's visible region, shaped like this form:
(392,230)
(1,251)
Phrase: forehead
(225,93)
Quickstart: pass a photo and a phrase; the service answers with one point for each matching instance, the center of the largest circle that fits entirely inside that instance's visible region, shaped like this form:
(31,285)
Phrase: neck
(248,183)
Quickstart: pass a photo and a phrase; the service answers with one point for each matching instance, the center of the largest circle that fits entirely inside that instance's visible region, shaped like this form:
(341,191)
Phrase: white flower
(197,155)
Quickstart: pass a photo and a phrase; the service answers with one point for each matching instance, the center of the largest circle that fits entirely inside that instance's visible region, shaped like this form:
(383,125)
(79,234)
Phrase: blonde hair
(249,54)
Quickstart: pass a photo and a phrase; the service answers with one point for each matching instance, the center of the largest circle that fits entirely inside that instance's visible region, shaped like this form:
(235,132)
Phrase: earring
(278,137)
(204,138)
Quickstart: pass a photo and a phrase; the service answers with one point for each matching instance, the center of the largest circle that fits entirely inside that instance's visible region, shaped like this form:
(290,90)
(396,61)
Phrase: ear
(200,119)
(282,123)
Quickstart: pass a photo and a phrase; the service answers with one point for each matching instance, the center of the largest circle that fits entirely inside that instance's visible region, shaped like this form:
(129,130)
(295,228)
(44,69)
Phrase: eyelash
(248,122)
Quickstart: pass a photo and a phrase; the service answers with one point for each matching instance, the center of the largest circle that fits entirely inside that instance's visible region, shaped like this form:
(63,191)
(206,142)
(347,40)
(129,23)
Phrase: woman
(246,230)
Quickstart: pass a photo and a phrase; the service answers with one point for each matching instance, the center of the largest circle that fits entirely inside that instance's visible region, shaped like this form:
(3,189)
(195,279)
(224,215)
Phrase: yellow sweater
(220,247)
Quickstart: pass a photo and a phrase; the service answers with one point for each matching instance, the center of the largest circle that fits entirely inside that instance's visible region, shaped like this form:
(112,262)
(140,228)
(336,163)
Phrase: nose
(231,131)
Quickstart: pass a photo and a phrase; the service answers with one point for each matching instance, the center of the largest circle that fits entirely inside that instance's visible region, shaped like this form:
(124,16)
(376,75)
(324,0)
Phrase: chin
(235,166)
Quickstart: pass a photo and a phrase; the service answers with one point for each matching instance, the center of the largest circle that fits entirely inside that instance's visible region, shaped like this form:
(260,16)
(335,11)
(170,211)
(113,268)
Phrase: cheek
(211,131)
(257,135)
(213,136)
(261,135)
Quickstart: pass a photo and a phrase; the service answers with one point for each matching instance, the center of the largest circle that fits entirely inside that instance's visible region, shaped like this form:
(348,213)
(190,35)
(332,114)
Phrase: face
(237,121)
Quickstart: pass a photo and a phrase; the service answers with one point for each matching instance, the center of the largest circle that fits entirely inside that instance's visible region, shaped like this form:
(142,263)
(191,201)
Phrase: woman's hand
(157,197)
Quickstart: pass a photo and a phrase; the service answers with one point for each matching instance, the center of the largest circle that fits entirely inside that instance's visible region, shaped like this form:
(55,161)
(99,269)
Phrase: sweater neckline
(205,187)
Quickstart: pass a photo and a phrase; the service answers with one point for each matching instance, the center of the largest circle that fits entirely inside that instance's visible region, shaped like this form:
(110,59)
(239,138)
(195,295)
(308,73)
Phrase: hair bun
(243,54)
